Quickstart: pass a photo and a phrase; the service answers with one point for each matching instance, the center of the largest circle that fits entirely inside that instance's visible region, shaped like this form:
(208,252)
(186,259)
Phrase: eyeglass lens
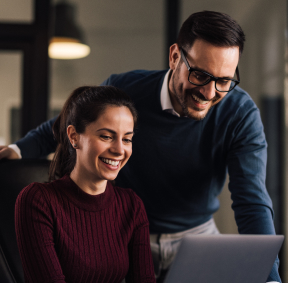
(200,78)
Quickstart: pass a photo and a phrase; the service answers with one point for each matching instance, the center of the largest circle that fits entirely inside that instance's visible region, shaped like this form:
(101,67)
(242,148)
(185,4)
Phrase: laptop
(224,259)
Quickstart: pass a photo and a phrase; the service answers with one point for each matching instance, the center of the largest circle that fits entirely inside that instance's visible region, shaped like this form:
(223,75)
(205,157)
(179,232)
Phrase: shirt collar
(166,103)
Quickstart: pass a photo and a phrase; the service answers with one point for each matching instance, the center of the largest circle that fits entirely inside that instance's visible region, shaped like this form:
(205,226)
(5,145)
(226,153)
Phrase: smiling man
(190,90)
(195,125)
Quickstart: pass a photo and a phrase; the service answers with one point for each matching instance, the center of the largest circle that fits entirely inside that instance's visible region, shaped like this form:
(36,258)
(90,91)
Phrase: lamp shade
(68,40)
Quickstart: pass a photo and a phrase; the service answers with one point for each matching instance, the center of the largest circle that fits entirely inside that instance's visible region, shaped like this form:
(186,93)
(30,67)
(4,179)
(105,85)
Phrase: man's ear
(174,56)
(72,135)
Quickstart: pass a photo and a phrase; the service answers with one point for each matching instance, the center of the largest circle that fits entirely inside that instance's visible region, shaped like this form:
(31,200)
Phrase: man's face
(195,101)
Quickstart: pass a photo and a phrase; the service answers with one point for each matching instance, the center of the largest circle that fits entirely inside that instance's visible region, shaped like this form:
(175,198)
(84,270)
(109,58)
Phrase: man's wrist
(16,149)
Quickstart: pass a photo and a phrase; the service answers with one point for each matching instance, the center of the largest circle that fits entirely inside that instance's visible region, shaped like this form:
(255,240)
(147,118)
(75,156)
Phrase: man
(195,123)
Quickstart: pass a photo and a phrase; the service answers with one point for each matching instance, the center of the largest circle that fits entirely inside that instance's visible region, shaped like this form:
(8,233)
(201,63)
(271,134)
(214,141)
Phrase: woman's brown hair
(83,107)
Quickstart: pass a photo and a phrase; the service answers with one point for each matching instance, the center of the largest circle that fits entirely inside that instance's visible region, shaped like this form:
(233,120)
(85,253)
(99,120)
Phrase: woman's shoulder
(134,206)
(129,196)
(125,192)
(32,195)
(36,191)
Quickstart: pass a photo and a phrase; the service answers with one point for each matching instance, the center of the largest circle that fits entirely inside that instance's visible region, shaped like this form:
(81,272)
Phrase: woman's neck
(88,183)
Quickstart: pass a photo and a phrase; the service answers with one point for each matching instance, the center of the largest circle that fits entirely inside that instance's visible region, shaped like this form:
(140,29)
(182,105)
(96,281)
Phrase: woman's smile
(111,163)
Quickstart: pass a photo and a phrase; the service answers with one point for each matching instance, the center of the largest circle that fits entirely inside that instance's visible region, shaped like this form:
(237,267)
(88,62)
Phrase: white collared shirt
(166,103)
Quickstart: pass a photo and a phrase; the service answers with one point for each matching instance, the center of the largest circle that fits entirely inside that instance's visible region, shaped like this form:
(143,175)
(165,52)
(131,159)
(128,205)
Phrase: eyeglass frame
(211,77)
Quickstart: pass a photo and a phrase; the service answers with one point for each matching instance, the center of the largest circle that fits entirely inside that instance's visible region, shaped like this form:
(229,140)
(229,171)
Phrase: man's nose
(209,91)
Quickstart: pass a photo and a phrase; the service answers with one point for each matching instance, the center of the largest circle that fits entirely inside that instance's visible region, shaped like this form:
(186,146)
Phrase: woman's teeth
(111,162)
(199,100)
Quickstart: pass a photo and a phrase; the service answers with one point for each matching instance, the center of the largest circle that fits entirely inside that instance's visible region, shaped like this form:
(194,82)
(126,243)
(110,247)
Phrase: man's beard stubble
(183,101)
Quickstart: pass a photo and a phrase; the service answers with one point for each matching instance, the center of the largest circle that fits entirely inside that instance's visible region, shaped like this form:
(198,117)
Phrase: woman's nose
(117,147)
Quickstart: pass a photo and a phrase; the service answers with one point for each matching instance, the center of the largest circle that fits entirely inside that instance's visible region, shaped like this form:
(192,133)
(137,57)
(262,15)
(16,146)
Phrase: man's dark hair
(219,29)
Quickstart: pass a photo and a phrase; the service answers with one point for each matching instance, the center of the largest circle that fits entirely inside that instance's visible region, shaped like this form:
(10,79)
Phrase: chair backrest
(14,176)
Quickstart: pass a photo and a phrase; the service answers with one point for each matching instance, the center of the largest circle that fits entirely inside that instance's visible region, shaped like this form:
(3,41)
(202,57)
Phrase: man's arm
(247,160)
(36,144)
(10,152)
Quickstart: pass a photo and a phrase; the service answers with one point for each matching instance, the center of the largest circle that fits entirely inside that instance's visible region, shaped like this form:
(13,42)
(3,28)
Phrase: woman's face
(106,145)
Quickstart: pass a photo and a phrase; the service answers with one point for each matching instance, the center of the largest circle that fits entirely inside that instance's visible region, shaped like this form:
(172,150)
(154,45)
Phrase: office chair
(14,176)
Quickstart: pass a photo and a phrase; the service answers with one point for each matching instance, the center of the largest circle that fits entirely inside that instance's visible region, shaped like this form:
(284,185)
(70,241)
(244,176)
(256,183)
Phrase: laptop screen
(224,258)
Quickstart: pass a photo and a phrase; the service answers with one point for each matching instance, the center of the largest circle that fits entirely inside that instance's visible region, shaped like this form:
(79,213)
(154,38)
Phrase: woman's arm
(34,232)
(141,268)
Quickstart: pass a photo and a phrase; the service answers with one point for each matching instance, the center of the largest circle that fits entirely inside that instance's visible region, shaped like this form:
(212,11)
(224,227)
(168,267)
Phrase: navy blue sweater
(179,165)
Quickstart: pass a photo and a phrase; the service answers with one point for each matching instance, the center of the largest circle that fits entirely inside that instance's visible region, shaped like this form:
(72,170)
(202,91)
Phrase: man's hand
(7,152)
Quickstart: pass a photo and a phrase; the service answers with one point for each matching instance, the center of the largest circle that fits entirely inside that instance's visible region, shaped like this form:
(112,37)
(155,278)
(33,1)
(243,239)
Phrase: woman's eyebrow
(113,132)
(108,130)
(129,133)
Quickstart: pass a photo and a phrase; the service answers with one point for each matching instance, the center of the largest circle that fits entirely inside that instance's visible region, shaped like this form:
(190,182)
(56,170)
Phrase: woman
(81,228)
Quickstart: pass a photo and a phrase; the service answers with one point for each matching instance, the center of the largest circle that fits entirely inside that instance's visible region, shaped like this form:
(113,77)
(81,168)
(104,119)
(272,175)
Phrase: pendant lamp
(67,41)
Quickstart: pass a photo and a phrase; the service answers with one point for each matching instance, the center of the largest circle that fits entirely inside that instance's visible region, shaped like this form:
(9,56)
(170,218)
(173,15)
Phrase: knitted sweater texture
(66,235)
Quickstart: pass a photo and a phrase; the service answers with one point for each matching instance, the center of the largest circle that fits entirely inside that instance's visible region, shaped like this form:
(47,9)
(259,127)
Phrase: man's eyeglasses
(200,78)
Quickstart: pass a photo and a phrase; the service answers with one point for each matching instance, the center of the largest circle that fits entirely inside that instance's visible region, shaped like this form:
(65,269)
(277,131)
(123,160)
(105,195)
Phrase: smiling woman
(79,227)
(103,148)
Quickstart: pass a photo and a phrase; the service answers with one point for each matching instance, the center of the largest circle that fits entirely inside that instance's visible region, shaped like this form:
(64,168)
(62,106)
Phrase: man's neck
(176,106)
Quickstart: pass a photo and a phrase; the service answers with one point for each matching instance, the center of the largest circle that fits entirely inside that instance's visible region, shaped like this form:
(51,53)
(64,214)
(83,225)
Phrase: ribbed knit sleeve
(34,231)
(140,259)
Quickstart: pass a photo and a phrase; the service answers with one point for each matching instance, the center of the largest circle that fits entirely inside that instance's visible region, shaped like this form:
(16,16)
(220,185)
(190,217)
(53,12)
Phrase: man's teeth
(111,162)
(199,100)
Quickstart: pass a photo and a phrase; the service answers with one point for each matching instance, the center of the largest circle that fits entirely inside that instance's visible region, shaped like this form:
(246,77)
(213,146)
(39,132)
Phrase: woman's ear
(73,136)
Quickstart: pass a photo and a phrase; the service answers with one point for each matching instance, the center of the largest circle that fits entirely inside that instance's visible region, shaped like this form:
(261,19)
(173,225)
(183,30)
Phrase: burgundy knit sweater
(66,235)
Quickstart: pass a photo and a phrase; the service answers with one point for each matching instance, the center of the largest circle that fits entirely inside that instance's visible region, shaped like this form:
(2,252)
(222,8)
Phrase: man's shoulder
(239,96)
(136,78)
(138,84)
(136,75)
(237,106)
(237,100)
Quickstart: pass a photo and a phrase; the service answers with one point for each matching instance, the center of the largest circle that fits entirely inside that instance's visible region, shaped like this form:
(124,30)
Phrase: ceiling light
(67,41)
